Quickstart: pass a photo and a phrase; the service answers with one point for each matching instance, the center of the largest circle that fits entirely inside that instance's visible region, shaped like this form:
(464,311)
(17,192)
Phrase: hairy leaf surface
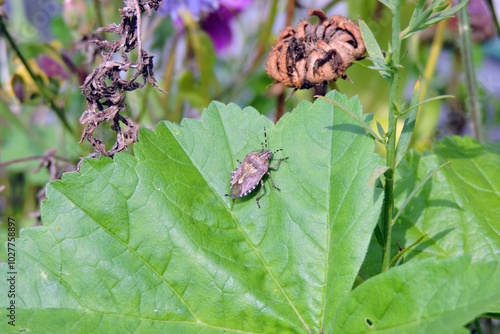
(151,244)
(432,296)
(458,208)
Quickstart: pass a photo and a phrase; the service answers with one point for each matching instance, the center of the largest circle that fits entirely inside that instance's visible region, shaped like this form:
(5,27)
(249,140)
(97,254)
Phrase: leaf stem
(401,253)
(352,115)
(174,111)
(426,101)
(430,66)
(98,11)
(391,143)
(470,75)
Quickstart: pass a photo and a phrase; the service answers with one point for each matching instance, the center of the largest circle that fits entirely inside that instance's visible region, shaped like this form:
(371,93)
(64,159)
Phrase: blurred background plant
(207,50)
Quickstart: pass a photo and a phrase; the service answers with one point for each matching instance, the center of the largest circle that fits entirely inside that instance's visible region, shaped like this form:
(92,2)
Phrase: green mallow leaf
(433,296)
(457,208)
(150,244)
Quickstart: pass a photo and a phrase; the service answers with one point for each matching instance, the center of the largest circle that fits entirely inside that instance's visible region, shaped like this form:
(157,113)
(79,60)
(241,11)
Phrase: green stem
(47,95)
(391,143)
(168,74)
(98,11)
(470,75)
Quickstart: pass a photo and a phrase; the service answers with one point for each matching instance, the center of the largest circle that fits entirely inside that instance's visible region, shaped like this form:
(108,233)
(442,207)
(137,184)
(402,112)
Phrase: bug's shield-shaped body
(249,173)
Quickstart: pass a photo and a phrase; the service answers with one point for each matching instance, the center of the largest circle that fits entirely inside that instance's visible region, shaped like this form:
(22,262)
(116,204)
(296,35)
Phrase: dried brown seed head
(315,54)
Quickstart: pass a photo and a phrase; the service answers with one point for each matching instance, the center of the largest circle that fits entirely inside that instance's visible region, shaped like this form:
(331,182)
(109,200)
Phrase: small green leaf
(407,132)
(423,19)
(433,296)
(446,14)
(371,43)
(380,130)
(373,48)
(388,3)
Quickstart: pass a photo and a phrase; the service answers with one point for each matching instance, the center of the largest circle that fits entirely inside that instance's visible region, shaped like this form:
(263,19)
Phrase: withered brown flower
(315,54)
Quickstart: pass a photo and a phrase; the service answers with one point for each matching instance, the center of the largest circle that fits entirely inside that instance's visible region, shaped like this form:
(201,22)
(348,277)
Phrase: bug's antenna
(265,137)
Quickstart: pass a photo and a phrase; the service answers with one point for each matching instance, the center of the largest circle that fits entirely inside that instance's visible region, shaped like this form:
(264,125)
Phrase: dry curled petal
(315,54)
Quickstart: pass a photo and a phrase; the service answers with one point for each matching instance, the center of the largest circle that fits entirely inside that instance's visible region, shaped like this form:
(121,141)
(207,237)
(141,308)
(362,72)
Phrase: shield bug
(251,171)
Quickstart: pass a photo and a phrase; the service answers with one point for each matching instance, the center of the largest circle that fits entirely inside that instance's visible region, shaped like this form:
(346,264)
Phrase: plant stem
(280,99)
(430,66)
(470,75)
(98,10)
(264,36)
(280,105)
(391,143)
(168,74)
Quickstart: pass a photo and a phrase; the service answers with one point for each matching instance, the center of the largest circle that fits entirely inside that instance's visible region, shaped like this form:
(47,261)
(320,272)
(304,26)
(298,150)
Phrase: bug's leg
(238,161)
(272,182)
(277,151)
(278,163)
(260,190)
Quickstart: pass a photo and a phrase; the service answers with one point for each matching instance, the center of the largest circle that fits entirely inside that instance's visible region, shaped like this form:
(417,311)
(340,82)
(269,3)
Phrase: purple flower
(216,25)
(214,16)
(195,7)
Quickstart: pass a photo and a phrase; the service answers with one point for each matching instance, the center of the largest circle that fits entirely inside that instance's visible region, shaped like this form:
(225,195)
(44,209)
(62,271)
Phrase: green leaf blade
(451,293)
(387,3)
(462,197)
(374,50)
(351,202)
(456,208)
(371,43)
(423,19)
(151,241)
